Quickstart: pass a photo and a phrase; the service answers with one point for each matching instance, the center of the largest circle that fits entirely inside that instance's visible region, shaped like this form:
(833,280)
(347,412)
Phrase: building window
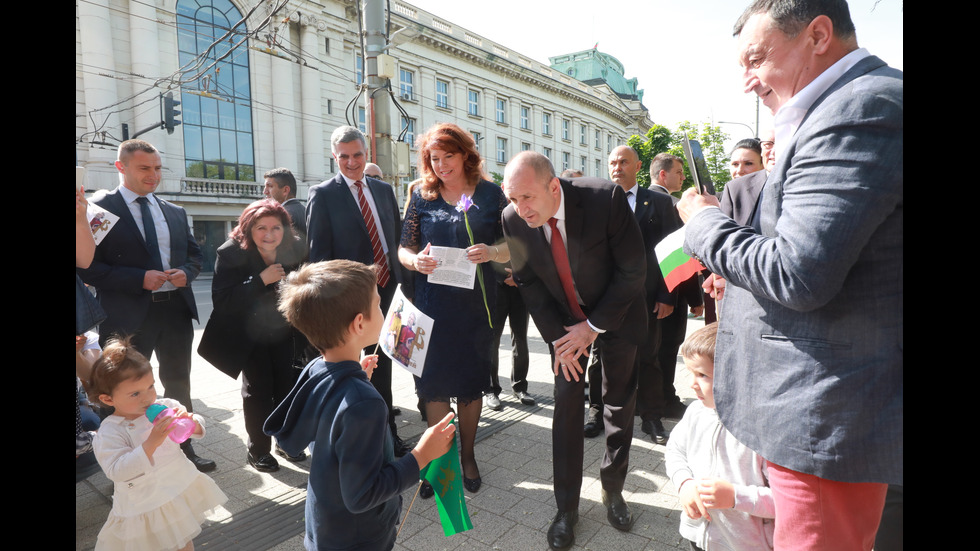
(525,146)
(597,139)
(406,82)
(525,118)
(442,94)
(598,169)
(473,103)
(333,168)
(546,124)
(566,130)
(361,120)
(547,153)
(501,150)
(330,107)
(326,42)
(358,69)
(566,160)
(582,165)
(477,138)
(217,134)
(609,144)
(502,111)
(410,133)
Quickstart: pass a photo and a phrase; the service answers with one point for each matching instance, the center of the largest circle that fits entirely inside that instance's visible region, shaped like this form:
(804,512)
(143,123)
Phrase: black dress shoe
(655,428)
(525,398)
(264,463)
(426,491)
(203,465)
(561,533)
(396,411)
(401,448)
(493,402)
(291,458)
(473,484)
(593,424)
(617,511)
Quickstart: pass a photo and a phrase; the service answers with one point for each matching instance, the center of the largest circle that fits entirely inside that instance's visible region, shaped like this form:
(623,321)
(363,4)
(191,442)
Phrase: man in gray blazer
(810,365)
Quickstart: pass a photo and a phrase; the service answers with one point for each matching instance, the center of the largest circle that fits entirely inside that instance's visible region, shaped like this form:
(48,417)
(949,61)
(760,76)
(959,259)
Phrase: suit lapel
(343,196)
(380,201)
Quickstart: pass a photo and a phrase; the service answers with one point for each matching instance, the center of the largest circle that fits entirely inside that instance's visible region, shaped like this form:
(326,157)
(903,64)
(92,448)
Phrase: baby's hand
(368,363)
(162,428)
(435,441)
(716,493)
(691,501)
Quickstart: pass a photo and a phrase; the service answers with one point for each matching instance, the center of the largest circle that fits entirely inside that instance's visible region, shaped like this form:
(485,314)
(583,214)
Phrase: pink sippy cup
(185,427)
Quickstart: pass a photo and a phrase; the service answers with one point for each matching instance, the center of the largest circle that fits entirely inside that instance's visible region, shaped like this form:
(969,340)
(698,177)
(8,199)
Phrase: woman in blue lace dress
(457,363)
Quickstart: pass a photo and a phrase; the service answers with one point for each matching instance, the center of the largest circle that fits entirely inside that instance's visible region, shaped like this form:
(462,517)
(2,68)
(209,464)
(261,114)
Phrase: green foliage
(659,139)
(712,140)
(498,178)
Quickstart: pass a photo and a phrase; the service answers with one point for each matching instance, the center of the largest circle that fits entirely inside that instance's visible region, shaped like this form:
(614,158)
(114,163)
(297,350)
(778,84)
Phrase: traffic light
(169,113)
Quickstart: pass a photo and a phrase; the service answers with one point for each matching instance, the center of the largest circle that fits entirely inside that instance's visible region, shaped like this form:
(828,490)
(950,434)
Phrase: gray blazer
(740,196)
(809,362)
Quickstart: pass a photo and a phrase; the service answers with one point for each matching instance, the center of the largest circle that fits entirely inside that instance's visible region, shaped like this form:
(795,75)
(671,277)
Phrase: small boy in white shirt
(722,485)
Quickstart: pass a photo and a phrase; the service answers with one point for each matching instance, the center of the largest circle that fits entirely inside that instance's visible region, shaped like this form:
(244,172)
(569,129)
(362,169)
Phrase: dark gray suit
(158,321)
(740,196)
(810,370)
(608,265)
(336,229)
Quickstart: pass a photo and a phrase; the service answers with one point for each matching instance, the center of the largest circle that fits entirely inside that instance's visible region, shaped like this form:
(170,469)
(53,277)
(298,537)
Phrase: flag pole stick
(409,510)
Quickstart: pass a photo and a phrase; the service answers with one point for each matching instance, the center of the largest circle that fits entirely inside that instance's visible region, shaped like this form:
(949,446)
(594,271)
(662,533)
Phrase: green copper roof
(594,67)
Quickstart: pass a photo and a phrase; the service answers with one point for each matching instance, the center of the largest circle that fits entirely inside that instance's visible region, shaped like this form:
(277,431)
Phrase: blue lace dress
(457,364)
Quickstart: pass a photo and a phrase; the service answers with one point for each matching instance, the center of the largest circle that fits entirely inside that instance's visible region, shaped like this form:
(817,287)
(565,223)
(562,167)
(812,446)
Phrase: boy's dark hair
(701,343)
(120,361)
(322,298)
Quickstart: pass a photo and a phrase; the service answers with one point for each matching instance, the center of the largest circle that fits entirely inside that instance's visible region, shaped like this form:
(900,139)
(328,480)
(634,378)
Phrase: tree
(659,139)
(712,140)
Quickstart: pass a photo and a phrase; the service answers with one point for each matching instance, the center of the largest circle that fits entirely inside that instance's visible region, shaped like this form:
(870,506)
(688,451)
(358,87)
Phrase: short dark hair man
(143,270)
(574,300)
(280,185)
(355,217)
(667,177)
(653,211)
(810,363)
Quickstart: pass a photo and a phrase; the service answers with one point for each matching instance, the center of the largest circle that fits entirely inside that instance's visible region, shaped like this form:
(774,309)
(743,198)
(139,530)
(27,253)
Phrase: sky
(682,53)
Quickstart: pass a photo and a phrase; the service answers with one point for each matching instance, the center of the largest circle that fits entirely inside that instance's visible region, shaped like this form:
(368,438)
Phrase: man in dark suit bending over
(579,262)
(355,217)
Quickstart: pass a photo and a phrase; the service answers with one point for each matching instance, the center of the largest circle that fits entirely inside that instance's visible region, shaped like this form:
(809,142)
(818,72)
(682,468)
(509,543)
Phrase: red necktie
(560,256)
(379,253)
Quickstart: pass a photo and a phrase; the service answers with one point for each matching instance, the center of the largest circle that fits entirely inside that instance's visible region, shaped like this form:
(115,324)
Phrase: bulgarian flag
(675,264)
(446,478)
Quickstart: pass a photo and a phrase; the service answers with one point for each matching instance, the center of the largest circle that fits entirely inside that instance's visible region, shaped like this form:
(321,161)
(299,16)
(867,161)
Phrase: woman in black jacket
(246,333)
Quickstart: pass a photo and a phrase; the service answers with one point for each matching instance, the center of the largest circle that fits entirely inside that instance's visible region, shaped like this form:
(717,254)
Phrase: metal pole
(378,103)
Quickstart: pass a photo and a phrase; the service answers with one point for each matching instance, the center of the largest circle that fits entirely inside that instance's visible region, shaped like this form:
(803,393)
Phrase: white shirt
(560,216)
(159,222)
(790,116)
(370,201)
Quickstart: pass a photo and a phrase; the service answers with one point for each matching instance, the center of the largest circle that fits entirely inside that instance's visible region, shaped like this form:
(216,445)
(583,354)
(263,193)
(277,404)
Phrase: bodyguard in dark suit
(652,211)
(336,211)
(143,270)
(810,369)
(666,177)
(280,185)
(579,262)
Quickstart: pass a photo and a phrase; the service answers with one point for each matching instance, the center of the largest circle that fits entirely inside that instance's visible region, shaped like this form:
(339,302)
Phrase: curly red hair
(452,139)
